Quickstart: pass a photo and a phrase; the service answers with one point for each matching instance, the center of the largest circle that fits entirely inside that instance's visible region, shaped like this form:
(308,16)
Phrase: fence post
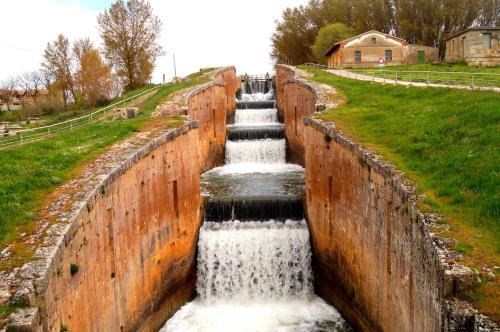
(410,78)
(21,135)
(396,77)
(448,80)
(427,78)
(71,125)
(472,81)
(90,118)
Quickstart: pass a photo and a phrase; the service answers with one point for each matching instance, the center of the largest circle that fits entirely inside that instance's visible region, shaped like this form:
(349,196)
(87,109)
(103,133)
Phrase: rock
(24,320)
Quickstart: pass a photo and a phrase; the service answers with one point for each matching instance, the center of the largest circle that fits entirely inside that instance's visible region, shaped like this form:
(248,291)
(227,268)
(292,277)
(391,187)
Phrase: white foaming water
(256,116)
(255,276)
(241,168)
(254,261)
(258,96)
(265,151)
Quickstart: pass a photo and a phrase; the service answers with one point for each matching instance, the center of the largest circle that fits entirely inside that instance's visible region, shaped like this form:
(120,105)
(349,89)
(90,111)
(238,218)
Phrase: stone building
(366,49)
(477,46)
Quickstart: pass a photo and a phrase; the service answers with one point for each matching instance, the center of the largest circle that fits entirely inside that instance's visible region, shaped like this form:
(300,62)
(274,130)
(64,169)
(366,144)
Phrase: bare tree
(7,89)
(58,63)
(130,32)
(36,82)
(24,82)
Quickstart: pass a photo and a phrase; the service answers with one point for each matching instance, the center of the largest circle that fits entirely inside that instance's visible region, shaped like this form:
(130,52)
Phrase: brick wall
(372,256)
(207,105)
(299,102)
(233,83)
(283,73)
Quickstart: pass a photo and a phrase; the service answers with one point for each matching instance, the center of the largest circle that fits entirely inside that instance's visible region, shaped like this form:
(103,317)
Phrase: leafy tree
(426,22)
(93,75)
(329,35)
(130,33)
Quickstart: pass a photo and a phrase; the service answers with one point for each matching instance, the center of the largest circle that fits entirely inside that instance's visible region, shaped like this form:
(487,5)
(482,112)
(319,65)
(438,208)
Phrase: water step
(248,208)
(255,104)
(235,133)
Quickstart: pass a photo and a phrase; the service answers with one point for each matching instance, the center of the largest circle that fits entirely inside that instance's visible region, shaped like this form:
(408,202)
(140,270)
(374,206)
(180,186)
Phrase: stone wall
(470,46)
(233,83)
(207,105)
(373,258)
(118,252)
(376,257)
(283,73)
(299,101)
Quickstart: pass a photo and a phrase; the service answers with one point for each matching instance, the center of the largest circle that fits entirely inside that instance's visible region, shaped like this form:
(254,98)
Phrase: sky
(200,33)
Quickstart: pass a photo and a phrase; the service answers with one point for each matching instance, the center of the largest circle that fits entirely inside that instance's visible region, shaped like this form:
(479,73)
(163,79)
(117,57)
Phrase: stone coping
(60,221)
(326,96)
(455,276)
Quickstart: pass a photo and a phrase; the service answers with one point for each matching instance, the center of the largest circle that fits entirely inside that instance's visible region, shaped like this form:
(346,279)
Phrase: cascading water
(253,117)
(254,256)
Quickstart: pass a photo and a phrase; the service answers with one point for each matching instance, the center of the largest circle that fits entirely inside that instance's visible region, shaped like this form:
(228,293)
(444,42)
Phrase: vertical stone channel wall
(233,83)
(119,242)
(375,255)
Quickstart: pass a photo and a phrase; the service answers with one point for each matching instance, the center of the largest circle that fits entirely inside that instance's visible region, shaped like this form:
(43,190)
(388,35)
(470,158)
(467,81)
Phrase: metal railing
(472,80)
(38,133)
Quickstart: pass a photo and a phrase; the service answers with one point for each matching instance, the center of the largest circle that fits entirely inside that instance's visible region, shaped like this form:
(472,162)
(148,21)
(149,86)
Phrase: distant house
(477,46)
(366,49)
(21,98)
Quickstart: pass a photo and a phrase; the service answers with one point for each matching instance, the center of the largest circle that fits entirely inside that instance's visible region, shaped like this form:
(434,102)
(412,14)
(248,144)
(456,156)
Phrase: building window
(374,41)
(357,56)
(388,55)
(487,40)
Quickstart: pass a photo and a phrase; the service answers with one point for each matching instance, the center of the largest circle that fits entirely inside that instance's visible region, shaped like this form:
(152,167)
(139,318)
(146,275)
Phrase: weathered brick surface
(207,105)
(233,83)
(372,254)
(283,73)
(299,99)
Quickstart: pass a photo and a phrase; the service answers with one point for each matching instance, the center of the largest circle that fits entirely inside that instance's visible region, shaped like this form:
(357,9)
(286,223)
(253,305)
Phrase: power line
(19,48)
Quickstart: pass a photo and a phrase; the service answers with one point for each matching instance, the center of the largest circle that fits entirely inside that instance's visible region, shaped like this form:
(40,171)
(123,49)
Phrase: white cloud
(200,33)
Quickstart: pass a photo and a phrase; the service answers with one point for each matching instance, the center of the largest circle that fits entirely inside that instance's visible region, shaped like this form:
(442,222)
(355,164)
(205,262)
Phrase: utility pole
(175,68)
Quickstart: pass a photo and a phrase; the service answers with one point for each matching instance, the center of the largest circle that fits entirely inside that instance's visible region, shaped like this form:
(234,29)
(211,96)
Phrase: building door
(464,48)
(421,56)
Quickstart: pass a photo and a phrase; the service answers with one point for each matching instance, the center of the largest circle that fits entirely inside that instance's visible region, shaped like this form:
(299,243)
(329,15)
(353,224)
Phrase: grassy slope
(447,141)
(446,67)
(30,172)
(438,74)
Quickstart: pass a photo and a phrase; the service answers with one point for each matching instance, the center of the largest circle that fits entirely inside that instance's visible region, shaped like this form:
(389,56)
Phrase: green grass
(447,142)
(453,74)
(453,67)
(30,172)
(449,138)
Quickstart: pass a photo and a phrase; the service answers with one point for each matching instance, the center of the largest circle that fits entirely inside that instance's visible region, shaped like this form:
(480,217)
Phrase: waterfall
(266,151)
(254,261)
(254,255)
(258,96)
(256,116)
